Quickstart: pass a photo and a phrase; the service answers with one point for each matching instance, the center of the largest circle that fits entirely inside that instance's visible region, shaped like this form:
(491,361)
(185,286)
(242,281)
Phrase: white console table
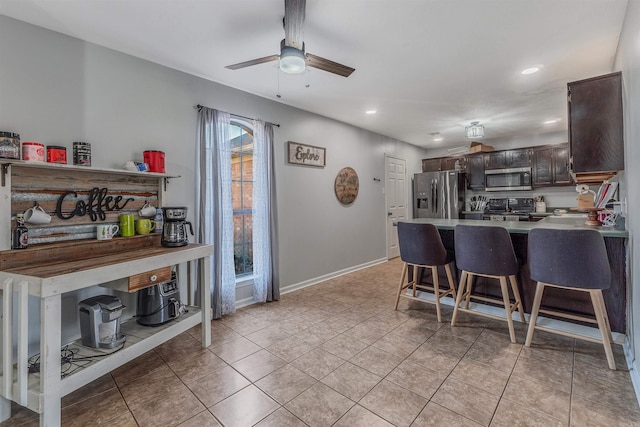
(43,391)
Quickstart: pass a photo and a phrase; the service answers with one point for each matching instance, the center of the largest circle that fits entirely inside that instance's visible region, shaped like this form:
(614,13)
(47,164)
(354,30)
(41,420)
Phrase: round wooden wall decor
(346,186)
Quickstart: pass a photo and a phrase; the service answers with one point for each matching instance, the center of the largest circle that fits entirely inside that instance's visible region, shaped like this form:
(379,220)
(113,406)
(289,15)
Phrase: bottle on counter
(20,234)
(159,220)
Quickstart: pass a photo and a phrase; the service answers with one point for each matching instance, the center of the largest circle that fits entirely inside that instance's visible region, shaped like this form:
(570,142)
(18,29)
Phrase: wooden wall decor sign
(77,199)
(307,155)
(346,186)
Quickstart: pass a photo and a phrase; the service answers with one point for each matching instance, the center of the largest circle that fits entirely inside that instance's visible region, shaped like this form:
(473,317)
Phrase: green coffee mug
(127,225)
(145,226)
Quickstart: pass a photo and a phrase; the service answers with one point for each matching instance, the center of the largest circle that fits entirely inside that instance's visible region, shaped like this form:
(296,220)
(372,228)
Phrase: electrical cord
(70,360)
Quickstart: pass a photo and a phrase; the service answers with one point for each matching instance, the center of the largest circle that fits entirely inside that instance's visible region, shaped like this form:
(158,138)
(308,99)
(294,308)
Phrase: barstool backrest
(421,244)
(571,258)
(485,250)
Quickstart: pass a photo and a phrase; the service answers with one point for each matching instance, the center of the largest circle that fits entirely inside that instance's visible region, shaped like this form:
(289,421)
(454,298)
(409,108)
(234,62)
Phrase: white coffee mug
(106,231)
(147,210)
(37,215)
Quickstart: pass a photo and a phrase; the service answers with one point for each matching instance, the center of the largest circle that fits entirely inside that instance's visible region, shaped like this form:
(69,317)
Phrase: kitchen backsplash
(554,196)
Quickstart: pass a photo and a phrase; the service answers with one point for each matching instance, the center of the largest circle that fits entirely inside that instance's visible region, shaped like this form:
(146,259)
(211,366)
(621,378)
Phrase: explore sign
(307,155)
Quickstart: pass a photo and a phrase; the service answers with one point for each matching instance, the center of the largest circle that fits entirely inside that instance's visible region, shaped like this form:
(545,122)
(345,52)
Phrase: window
(242,195)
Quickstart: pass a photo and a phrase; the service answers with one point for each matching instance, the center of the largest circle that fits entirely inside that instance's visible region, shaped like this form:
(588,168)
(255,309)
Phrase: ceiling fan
(293,58)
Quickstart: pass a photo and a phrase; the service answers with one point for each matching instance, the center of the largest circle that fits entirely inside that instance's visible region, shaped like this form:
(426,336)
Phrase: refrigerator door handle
(435,198)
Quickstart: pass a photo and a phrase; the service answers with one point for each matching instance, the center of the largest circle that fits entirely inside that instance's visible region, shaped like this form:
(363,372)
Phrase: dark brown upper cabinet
(442,164)
(551,165)
(475,171)
(508,159)
(595,124)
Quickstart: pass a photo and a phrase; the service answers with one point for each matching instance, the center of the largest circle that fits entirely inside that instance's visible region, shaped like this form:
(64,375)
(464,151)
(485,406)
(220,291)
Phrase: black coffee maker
(174,230)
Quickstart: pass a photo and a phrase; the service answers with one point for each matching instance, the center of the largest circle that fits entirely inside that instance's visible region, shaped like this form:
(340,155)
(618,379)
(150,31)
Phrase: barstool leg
(468,291)
(415,280)
(436,290)
(516,295)
(452,283)
(507,307)
(403,276)
(461,289)
(537,299)
(599,309)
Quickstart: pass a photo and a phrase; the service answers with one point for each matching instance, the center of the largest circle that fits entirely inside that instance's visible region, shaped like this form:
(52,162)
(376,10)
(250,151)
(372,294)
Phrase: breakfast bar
(554,299)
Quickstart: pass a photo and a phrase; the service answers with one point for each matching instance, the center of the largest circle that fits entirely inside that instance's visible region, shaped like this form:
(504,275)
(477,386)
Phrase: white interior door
(396,197)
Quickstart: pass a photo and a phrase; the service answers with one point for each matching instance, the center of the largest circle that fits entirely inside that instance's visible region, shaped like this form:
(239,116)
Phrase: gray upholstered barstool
(488,252)
(576,260)
(421,246)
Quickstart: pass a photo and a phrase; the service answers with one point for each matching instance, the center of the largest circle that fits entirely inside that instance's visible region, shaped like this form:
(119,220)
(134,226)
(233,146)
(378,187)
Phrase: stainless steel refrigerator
(438,194)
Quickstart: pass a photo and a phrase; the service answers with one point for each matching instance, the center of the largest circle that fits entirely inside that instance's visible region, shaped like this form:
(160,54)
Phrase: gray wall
(628,60)
(56,89)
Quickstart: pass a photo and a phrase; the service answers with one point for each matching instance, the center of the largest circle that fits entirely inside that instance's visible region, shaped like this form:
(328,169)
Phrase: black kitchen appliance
(159,303)
(507,179)
(174,230)
(509,209)
(100,321)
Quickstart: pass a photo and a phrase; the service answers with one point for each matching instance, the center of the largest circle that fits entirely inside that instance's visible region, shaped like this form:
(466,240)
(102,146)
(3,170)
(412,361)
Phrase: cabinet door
(595,124)
(561,173)
(518,158)
(542,166)
(449,163)
(475,172)
(431,165)
(497,160)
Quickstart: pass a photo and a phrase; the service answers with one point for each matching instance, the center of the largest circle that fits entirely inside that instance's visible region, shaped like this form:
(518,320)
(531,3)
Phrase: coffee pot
(174,230)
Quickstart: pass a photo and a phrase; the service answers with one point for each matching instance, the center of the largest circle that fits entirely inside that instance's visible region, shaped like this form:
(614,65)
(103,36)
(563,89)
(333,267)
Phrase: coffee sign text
(95,206)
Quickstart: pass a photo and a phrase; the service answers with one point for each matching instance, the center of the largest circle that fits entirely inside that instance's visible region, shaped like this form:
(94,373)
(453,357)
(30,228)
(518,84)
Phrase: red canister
(33,151)
(56,154)
(155,160)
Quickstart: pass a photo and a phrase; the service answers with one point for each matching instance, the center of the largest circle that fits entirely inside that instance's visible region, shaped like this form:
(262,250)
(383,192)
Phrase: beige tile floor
(338,354)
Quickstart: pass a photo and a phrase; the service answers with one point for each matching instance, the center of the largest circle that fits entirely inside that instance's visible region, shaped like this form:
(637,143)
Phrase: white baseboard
(319,279)
(574,328)
(632,364)
(244,302)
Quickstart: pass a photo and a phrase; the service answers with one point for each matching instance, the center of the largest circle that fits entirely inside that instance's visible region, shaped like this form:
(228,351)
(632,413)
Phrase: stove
(509,209)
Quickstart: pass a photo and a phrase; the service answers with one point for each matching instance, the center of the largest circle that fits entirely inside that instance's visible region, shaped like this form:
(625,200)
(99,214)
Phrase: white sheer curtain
(215,214)
(266,286)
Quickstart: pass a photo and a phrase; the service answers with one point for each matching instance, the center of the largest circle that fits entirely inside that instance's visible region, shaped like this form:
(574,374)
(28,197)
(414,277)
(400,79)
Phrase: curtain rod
(200,107)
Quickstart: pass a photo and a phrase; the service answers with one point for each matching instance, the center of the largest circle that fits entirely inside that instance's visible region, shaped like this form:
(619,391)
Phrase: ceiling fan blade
(253,62)
(327,65)
(293,22)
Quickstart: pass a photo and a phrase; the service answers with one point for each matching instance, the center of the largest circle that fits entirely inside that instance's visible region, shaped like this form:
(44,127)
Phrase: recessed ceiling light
(532,70)
(437,139)
(550,122)
(370,111)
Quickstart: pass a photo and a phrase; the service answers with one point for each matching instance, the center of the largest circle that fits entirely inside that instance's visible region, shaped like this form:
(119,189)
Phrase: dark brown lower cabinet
(557,299)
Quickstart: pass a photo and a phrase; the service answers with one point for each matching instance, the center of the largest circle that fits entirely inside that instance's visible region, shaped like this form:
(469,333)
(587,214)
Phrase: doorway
(396,200)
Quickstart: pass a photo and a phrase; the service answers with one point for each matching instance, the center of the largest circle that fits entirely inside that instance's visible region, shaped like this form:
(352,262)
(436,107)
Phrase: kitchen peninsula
(555,299)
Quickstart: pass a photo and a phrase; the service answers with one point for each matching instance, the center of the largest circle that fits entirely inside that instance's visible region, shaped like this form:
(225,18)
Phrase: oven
(509,209)
(507,179)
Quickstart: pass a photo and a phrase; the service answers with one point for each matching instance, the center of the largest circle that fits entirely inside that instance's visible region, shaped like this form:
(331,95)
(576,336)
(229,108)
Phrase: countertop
(569,222)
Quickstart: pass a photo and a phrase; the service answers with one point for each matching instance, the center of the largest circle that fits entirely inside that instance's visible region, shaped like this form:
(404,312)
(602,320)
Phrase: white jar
(541,207)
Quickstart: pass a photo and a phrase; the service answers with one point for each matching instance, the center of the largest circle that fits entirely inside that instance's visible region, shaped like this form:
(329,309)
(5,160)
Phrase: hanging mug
(37,215)
(147,210)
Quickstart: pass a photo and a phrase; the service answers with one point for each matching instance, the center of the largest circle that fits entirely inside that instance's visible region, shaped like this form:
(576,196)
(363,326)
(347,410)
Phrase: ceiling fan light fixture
(475,130)
(292,60)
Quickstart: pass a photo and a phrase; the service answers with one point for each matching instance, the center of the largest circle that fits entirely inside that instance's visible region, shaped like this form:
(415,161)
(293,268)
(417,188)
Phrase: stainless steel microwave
(507,179)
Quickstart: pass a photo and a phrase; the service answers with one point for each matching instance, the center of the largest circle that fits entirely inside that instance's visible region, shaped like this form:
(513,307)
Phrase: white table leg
(50,360)
(205,301)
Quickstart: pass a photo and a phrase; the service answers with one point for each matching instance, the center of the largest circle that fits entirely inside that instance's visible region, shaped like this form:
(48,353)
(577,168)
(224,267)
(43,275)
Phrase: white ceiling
(425,65)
